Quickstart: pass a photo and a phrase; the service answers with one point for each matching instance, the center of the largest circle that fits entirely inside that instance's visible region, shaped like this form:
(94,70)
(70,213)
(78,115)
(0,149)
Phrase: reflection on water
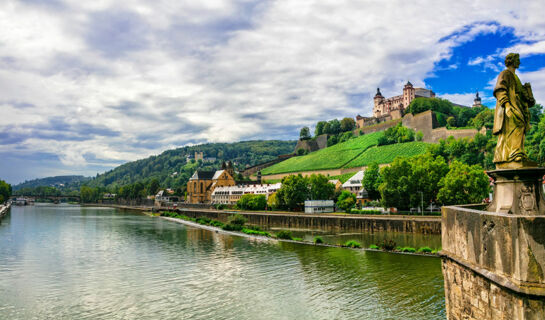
(71,262)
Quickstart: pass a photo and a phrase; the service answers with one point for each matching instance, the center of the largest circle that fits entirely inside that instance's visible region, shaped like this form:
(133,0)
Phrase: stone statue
(512,117)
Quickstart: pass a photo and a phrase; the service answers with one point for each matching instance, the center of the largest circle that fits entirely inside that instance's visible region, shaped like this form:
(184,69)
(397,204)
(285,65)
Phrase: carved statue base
(518,191)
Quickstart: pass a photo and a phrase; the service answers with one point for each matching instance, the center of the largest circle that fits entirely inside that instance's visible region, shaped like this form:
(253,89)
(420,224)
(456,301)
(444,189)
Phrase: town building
(319,206)
(354,184)
(337,183)
(231,194)
(201,185)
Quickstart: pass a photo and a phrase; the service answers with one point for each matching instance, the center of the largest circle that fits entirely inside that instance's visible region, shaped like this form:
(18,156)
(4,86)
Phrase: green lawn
(387,154)
(333,157)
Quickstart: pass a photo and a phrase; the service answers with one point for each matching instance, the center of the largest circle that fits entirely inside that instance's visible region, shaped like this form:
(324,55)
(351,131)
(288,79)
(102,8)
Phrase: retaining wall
(335,223)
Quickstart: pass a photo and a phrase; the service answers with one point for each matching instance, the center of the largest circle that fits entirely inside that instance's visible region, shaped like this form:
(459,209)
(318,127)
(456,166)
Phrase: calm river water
(68,262)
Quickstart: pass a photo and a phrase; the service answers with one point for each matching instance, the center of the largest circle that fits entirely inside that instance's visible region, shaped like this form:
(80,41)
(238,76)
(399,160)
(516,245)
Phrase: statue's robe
(511,118)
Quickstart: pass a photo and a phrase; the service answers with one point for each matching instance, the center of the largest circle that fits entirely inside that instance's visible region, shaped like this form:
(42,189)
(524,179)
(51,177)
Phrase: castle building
(393,108)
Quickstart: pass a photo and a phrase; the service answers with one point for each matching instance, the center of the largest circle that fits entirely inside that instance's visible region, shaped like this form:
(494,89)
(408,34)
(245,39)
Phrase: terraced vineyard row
(329,158)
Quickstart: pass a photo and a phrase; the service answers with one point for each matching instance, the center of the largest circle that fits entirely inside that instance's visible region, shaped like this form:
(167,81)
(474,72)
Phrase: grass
(387,153)
(343,177)
(329,158)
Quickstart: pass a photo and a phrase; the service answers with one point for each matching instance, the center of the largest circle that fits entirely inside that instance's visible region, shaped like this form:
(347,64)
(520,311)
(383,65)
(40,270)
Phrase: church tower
(477,101)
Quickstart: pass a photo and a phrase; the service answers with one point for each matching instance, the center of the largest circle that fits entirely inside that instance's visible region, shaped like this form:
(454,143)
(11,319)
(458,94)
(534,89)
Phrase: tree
(153,186)
(88,194)
(319,128)
(252,202)
(301,152)
(409,181)
(304,134)
(347,124)
(463,184)
(483,119)
(5,191)
(419,136)
(346,200)
(397,134)
(320,188)
(334,126)
(293,193)
(372,180)
(272,202)
(451,122)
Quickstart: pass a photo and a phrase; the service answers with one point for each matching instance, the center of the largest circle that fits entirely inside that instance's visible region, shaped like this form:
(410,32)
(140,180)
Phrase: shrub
(284,234)
(408,249)
(236,219)
(388,245)
(356,211)
(297,239)
(352,244)
(318,240)
(204,220)
(232,227)
(217,223)
(425,249)
(220,206)
(301,152)
(256,232)
(374,246)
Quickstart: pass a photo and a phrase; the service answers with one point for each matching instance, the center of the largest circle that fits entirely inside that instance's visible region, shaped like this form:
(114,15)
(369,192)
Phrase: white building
(319,206)
(354,184)
(231,194)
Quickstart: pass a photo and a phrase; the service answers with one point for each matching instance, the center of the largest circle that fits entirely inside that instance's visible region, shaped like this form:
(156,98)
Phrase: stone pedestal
(518,191)
(494,256)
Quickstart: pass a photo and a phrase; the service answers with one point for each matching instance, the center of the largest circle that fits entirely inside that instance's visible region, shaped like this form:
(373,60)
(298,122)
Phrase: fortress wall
(377,127)
(443,133)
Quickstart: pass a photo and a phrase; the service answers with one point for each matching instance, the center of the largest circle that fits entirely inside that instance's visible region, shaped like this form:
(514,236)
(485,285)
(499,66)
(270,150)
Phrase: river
(71,262)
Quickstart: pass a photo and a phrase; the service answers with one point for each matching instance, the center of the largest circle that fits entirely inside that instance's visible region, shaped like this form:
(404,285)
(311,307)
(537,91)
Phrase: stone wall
(468,295)
(493,264)
(425,225)
(319,142)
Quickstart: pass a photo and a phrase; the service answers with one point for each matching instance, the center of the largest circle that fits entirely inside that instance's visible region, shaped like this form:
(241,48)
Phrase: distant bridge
(55,199)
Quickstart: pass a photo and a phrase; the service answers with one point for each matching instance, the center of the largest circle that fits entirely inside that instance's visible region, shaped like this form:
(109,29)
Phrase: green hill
(172,169)
(336,156)
(59,182)
(354,153)
(387,154)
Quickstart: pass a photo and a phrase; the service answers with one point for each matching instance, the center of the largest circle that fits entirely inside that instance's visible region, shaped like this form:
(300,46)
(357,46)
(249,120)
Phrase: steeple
(477,101)
(378,93)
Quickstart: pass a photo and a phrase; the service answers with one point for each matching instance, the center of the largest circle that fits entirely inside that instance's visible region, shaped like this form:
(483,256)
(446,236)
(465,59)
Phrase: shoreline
(257,237)
(4,210)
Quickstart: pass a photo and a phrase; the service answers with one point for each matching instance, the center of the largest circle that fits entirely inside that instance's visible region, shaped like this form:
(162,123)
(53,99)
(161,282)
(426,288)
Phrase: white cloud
(164,74)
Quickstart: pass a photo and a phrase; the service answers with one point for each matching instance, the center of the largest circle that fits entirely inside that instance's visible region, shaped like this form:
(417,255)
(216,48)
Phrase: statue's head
(512,59)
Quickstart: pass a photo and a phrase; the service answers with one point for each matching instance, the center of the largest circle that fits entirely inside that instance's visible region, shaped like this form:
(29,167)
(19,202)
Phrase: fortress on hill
(393,108)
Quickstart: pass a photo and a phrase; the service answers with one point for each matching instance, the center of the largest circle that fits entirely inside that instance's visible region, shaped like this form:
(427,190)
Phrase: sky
(88,85)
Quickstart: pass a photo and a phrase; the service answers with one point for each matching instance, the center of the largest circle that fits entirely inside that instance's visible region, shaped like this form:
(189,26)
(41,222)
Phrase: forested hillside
(172,169)
(59,182)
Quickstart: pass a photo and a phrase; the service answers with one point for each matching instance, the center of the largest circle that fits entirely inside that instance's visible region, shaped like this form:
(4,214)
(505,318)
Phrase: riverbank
(303,221)
(4,210)
(349,245)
